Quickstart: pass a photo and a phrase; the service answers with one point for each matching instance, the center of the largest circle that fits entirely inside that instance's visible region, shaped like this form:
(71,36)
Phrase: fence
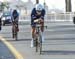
(68,16)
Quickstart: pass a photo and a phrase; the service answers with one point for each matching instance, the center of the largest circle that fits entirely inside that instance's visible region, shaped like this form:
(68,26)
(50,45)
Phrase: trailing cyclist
(15,19)
(38,12)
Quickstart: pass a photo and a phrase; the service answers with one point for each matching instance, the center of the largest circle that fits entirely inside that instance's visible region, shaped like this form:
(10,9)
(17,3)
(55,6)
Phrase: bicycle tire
(74,21)
(16,37)
(40,44)
(16,34)
(13,33)
(36,44)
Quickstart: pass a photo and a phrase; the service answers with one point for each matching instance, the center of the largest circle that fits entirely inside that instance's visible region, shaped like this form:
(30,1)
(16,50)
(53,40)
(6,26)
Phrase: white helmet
(39,7)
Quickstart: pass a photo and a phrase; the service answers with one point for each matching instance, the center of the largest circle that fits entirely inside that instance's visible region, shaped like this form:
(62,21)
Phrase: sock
(32,42)
(42,33)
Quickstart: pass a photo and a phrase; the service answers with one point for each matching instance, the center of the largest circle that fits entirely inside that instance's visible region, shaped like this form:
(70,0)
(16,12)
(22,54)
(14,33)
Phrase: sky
(52,3)
(60,4)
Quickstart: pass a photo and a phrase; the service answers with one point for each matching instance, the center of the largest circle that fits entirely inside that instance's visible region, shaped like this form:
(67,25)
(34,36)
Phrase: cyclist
(38,12)
(15,18)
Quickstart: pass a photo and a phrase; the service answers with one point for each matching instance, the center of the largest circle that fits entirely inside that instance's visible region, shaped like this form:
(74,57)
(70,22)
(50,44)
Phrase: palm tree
(68,5)
(3,5)
(37,1)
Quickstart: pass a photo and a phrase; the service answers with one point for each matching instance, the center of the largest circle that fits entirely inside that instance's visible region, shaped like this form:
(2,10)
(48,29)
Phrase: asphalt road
(59,41)
(5,53)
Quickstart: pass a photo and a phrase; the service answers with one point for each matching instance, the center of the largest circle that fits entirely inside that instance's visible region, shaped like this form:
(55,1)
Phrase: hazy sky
(52,3)
(60,4)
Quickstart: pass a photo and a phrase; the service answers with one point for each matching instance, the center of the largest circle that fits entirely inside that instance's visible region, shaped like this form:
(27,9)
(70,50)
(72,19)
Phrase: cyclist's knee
(33,30)
(42,28)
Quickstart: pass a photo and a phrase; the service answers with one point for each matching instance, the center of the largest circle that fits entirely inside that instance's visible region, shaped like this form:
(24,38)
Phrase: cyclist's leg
(12,32)
(42,30)
(14,29)
(17,26)
(33,34)
(16,20)
(42,26)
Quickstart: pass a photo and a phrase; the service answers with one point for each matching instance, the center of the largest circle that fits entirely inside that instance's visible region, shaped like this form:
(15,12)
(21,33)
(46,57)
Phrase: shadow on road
(7,37)
(5,32)
(24,39)
(62,52)
(60,38)
(63,26)
(20,40)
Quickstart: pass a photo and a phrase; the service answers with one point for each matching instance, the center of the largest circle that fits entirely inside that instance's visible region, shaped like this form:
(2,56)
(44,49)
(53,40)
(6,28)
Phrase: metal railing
(68,16)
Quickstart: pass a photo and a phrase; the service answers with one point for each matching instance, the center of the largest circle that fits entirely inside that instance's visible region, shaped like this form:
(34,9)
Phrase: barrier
(67,16)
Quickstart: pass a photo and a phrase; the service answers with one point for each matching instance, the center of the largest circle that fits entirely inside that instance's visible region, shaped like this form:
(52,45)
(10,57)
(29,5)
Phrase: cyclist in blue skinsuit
(15,19)
(38,12)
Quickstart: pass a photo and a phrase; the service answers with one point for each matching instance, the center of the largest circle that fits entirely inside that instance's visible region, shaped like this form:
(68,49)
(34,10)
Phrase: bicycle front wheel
(36,41)
(40,43)
(12,34)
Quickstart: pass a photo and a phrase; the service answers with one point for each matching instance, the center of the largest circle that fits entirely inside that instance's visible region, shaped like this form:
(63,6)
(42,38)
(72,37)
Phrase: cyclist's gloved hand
(36,20)
(41,20)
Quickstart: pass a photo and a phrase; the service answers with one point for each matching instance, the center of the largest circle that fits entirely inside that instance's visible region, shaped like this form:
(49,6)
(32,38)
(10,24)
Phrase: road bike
(15,30)
(38,37)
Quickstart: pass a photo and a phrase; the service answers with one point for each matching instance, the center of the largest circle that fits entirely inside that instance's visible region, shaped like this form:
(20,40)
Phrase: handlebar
(38,20)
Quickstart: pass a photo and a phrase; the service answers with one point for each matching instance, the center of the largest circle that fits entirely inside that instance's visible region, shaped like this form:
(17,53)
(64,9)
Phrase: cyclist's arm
(43,14)
(33,16)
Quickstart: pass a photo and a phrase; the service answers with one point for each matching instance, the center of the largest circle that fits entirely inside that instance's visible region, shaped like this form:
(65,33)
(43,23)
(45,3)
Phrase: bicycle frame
(38,38)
